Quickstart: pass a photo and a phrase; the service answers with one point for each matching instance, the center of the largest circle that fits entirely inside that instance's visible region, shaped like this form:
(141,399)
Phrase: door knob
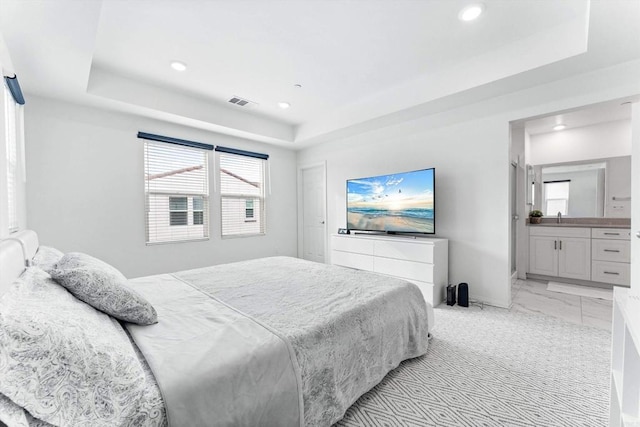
(638,234)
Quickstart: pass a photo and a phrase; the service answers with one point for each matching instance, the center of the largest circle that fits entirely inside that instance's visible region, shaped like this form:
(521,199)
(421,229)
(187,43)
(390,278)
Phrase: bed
(271,341)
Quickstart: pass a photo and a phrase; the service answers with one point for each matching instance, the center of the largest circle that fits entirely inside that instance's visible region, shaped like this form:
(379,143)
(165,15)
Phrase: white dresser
(423,261)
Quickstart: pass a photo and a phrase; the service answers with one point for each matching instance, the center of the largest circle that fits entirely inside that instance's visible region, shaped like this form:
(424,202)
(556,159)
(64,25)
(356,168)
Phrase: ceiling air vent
(241,102)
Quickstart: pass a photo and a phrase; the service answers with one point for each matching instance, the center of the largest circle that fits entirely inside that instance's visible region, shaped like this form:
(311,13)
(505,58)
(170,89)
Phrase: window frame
(229,197)
(12,140)
(166,231)
(546,200)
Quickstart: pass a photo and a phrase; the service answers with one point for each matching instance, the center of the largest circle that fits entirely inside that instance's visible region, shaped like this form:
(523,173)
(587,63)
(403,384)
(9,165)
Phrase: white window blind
(11,138)
(556,195)
(177,192)
(242,195)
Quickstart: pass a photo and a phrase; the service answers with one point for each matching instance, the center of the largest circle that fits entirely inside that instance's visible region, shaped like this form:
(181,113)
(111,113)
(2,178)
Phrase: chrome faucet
(559,217)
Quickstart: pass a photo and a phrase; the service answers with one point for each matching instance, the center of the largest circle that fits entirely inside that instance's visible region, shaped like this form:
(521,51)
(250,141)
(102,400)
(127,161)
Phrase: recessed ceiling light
(559,127)
(471,12)
(284,105)
(297,85)
(178,66)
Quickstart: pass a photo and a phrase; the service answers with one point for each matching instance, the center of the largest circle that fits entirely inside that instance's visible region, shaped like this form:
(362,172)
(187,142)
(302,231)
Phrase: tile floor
(532,296)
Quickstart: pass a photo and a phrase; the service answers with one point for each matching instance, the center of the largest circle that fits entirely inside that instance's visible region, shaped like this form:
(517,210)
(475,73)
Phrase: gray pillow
(46,258)
(103,287)
(65,362)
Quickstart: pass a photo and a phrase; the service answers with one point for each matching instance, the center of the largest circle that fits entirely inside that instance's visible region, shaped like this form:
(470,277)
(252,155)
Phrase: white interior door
(314,213)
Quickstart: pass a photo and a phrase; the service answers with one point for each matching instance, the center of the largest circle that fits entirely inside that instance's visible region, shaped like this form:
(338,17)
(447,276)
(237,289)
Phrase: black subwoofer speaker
(463,295)
(451,295)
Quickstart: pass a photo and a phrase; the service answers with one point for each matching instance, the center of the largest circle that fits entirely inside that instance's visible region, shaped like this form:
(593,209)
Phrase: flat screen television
(397,203)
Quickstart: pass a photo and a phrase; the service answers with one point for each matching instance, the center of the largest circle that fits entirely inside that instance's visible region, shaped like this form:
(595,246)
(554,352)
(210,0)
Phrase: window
(11,141)
(248,210)
(178,211)
(198,211)
(242,182)
(177,191)
(556,197)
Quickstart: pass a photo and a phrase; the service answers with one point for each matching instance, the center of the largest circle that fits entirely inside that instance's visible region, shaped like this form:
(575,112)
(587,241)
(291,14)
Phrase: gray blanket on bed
(348,328)
(214,365)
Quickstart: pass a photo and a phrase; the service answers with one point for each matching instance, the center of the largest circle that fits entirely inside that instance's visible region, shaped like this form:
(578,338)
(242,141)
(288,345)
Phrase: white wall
(469,209)
(602,140)
(85,191)
(469,147)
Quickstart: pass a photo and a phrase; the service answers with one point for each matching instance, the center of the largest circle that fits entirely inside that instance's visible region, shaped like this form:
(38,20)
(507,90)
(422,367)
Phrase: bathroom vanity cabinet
(560,251)
(580,253)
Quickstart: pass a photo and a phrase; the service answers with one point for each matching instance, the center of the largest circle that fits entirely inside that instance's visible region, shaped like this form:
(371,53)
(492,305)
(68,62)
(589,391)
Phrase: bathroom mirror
(587,189)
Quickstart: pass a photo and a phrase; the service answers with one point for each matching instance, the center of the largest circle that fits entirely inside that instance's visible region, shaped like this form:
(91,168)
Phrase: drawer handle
(611,250)
(611,272)
(611,234)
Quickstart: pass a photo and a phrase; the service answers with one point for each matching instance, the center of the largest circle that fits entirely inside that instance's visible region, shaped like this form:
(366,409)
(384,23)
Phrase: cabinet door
(543,255)
(574,258)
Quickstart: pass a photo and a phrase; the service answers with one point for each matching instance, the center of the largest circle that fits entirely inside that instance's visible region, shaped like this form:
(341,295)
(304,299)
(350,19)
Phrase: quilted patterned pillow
(65,362)
(46,258)
(103,287)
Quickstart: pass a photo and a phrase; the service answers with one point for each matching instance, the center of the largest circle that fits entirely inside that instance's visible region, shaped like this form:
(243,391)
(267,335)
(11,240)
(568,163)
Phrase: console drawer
(404,250)
(353,260)
(348,244)
(405,269)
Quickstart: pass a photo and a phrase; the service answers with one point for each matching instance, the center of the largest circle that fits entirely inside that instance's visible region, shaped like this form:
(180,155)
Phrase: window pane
(198,218)
(11,159)
(178,203)
(556,197)
(555,206)
(179,218)
(249,209)
(242,184)
(557,190)
(176,185)
(197,203)
(234,217)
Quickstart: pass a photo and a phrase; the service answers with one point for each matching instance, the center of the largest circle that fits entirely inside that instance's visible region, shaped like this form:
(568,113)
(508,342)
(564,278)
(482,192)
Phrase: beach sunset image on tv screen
(401,203)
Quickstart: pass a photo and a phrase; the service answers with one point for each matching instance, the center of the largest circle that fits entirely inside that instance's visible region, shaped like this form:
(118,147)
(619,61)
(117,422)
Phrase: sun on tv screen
(396,203)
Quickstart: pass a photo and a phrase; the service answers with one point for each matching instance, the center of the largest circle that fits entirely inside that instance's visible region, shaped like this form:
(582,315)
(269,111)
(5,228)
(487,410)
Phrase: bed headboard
(12,263)
(28,240)
(16,253)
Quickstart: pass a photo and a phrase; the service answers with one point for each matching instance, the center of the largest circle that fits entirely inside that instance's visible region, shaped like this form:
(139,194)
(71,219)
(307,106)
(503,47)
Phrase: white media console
(423,261)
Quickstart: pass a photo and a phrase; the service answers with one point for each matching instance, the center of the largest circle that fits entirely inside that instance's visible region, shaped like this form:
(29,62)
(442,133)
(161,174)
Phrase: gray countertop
(562,224)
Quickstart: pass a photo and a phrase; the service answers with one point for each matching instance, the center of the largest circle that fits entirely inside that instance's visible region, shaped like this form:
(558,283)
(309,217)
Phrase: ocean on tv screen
(400,203)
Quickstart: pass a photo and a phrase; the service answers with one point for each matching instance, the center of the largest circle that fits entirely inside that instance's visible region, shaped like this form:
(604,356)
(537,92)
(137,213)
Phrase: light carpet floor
(493,367)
